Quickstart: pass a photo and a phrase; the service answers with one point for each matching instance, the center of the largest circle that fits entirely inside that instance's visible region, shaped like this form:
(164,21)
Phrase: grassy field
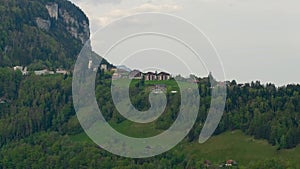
(239,147)
(230,145)
(128,128)
(136,129)
(170,84)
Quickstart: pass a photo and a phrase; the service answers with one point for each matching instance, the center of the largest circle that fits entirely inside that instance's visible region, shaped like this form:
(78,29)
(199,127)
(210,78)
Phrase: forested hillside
(41,106)
(41,33)
(38,124)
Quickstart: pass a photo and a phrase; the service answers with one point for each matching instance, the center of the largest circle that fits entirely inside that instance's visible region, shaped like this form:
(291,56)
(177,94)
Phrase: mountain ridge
(48,33)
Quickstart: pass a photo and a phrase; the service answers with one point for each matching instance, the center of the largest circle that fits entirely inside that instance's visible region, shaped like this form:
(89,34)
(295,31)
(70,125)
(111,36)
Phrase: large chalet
(154,76)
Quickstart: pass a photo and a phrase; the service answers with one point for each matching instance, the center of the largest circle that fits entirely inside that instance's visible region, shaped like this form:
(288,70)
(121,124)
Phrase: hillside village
(25,71)
(121,72)
(136,74)
(117,73)
(227,164)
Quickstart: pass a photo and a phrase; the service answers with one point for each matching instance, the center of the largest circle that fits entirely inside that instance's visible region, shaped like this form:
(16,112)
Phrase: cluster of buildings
(136,74)
(91,66)
(123,73)
(117,72)
(226,164)
(25,71)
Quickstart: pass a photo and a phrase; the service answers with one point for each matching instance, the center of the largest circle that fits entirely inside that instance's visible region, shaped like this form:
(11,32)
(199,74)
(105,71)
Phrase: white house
(90,64)
(43,72)
(22,69)
(103,67)
(150,76)
(163,76)
(61,71)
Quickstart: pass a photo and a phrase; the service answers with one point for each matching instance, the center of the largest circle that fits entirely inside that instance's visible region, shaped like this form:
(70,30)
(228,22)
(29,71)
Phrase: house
(22,69)
(40,72)
(230,163)
(154,76)
(113,69)
(25,72)
(150,76)
(90,64)
(61,71)
(195,80)
(103,67)
(222,84)
(116,76)
(43,72)
(135,74)
(124,73)
(120,74)
(163,76)
(18,68)
(160,88)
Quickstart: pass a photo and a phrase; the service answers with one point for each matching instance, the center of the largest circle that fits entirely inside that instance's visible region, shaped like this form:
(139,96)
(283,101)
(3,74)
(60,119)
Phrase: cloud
(148,7)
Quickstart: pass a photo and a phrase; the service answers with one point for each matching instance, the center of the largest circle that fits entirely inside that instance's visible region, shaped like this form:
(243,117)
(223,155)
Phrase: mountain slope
(44,32)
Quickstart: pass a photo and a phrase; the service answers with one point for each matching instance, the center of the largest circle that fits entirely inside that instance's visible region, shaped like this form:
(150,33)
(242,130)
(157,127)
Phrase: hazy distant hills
(123,67)
(41,33)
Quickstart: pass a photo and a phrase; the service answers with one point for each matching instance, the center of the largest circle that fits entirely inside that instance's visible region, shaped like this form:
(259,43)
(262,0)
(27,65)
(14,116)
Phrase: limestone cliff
(43,32)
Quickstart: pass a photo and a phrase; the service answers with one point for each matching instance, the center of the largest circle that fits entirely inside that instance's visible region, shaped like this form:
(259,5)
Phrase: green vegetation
(260,128)
(23,42)
(135,129)
(232,145)
(237,146)
(40,107)
(51,150)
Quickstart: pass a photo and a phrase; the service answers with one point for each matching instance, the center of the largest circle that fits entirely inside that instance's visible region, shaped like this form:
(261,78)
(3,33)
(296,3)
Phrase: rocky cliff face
(43,24)
(52,10)
(79,29)
(44,32)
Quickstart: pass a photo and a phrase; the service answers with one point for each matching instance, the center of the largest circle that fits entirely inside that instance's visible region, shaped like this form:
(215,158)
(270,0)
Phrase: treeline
(264,111)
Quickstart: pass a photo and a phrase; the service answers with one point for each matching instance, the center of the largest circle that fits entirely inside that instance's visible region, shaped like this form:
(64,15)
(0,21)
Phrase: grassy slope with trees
(40,108)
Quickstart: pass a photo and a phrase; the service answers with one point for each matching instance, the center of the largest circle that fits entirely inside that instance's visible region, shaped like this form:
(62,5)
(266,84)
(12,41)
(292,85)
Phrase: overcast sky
(256,40)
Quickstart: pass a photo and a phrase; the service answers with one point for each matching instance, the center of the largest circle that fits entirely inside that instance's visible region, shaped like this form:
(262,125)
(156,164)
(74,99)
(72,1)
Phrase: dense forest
(37,116)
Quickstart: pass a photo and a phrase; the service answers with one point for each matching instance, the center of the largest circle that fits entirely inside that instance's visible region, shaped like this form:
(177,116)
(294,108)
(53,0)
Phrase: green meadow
(230,145)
